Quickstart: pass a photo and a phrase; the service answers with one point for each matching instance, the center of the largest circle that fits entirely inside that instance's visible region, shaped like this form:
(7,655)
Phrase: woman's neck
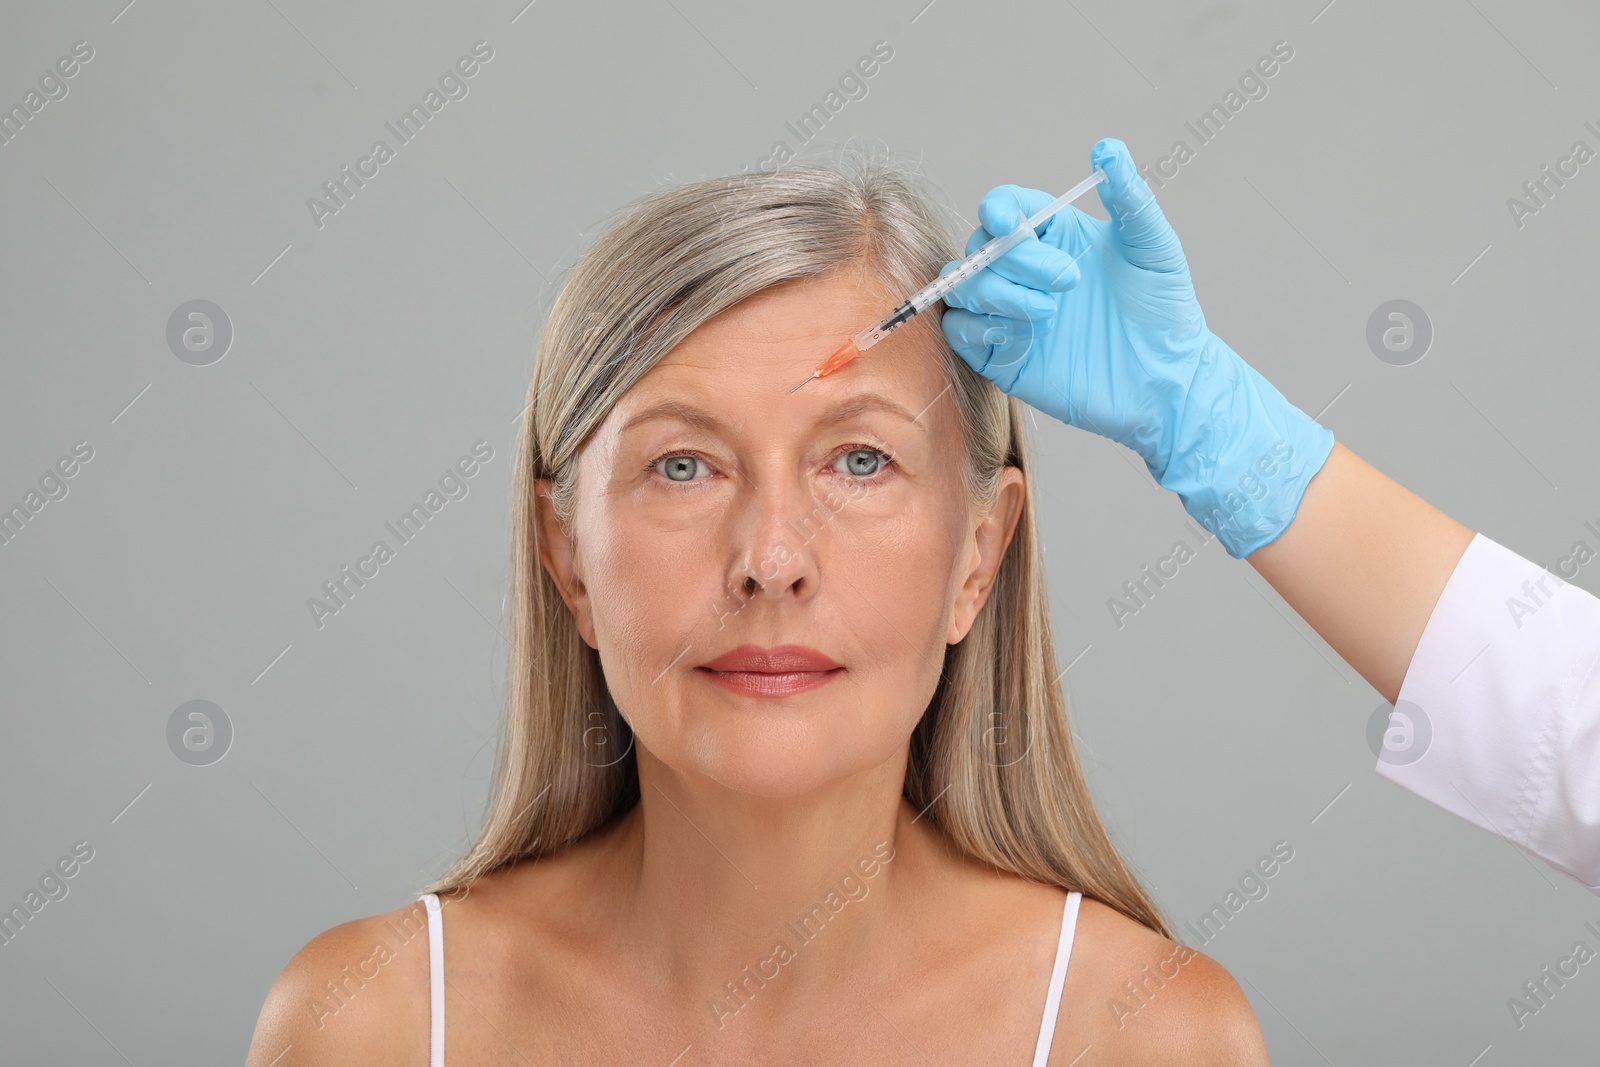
(718,893)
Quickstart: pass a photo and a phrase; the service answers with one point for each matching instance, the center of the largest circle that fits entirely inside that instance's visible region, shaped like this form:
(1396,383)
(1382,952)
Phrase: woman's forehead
(777,337)
(735,381)
(800,313)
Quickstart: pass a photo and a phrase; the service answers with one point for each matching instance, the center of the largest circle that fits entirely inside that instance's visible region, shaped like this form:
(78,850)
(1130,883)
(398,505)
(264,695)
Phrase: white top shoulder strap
(435,980)
(1058,977)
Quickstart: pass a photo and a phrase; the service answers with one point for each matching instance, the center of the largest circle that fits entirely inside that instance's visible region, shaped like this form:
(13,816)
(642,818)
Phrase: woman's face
(844,502)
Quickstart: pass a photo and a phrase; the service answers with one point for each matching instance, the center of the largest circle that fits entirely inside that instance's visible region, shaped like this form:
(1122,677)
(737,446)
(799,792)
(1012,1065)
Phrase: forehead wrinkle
(842,411)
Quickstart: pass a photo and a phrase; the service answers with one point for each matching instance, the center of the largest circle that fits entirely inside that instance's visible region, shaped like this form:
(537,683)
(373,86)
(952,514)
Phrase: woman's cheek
(898,567)
(637,581)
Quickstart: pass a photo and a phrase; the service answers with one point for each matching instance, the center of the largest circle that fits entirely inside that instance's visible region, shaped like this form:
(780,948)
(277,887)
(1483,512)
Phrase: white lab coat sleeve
(1498,718)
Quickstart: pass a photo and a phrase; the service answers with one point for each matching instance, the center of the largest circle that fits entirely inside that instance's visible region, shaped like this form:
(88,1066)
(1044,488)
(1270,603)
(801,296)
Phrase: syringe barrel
(999,246)
(991,251)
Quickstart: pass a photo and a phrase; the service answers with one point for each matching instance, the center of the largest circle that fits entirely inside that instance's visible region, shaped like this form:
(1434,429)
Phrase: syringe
(935,290)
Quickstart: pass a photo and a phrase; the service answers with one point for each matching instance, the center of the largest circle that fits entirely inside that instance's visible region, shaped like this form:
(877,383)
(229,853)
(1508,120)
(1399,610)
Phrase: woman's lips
(771,672)
(763,684)
(783,659)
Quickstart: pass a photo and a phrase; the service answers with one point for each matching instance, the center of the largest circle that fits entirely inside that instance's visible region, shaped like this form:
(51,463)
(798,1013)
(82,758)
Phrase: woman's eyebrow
(843,411)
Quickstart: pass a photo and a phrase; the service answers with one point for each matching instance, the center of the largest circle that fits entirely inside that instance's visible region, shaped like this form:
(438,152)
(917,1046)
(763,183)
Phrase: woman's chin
(778,761)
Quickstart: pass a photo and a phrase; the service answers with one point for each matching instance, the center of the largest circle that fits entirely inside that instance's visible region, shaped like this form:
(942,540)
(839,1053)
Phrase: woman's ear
(990,540)
(559,556)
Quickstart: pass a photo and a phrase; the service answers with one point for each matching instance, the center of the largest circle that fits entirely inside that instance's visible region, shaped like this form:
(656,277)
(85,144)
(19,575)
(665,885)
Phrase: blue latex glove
(1096,323)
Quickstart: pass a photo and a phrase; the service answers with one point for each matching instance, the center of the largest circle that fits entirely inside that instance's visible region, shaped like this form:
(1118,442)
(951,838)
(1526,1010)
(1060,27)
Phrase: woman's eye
(860,462)
(677,468)
(864,461)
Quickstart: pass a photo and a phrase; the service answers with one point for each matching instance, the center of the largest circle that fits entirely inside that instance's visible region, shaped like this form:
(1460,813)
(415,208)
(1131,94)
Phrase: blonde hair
(994,748)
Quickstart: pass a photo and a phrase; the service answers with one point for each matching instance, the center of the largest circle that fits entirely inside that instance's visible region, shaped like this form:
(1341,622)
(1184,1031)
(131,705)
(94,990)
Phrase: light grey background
(370,354)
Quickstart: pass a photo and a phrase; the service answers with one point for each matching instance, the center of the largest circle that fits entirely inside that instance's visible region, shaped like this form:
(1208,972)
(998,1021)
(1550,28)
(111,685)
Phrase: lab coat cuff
(1498,718)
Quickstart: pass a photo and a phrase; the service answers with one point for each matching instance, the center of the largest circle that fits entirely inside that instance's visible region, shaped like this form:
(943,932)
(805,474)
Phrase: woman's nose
(779,529)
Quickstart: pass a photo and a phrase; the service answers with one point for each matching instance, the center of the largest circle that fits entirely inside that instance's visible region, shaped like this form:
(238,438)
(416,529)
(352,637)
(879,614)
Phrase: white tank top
(1041,1050)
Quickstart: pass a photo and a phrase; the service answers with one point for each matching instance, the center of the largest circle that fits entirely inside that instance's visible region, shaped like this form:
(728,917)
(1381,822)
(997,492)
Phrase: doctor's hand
(1096,323)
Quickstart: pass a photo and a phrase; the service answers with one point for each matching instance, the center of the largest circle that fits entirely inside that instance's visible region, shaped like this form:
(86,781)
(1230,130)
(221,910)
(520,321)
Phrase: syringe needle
(842,355)
(792,391)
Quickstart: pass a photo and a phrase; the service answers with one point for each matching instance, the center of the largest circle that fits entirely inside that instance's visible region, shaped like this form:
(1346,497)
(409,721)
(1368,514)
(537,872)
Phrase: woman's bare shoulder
(357,993)
(1134,997)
